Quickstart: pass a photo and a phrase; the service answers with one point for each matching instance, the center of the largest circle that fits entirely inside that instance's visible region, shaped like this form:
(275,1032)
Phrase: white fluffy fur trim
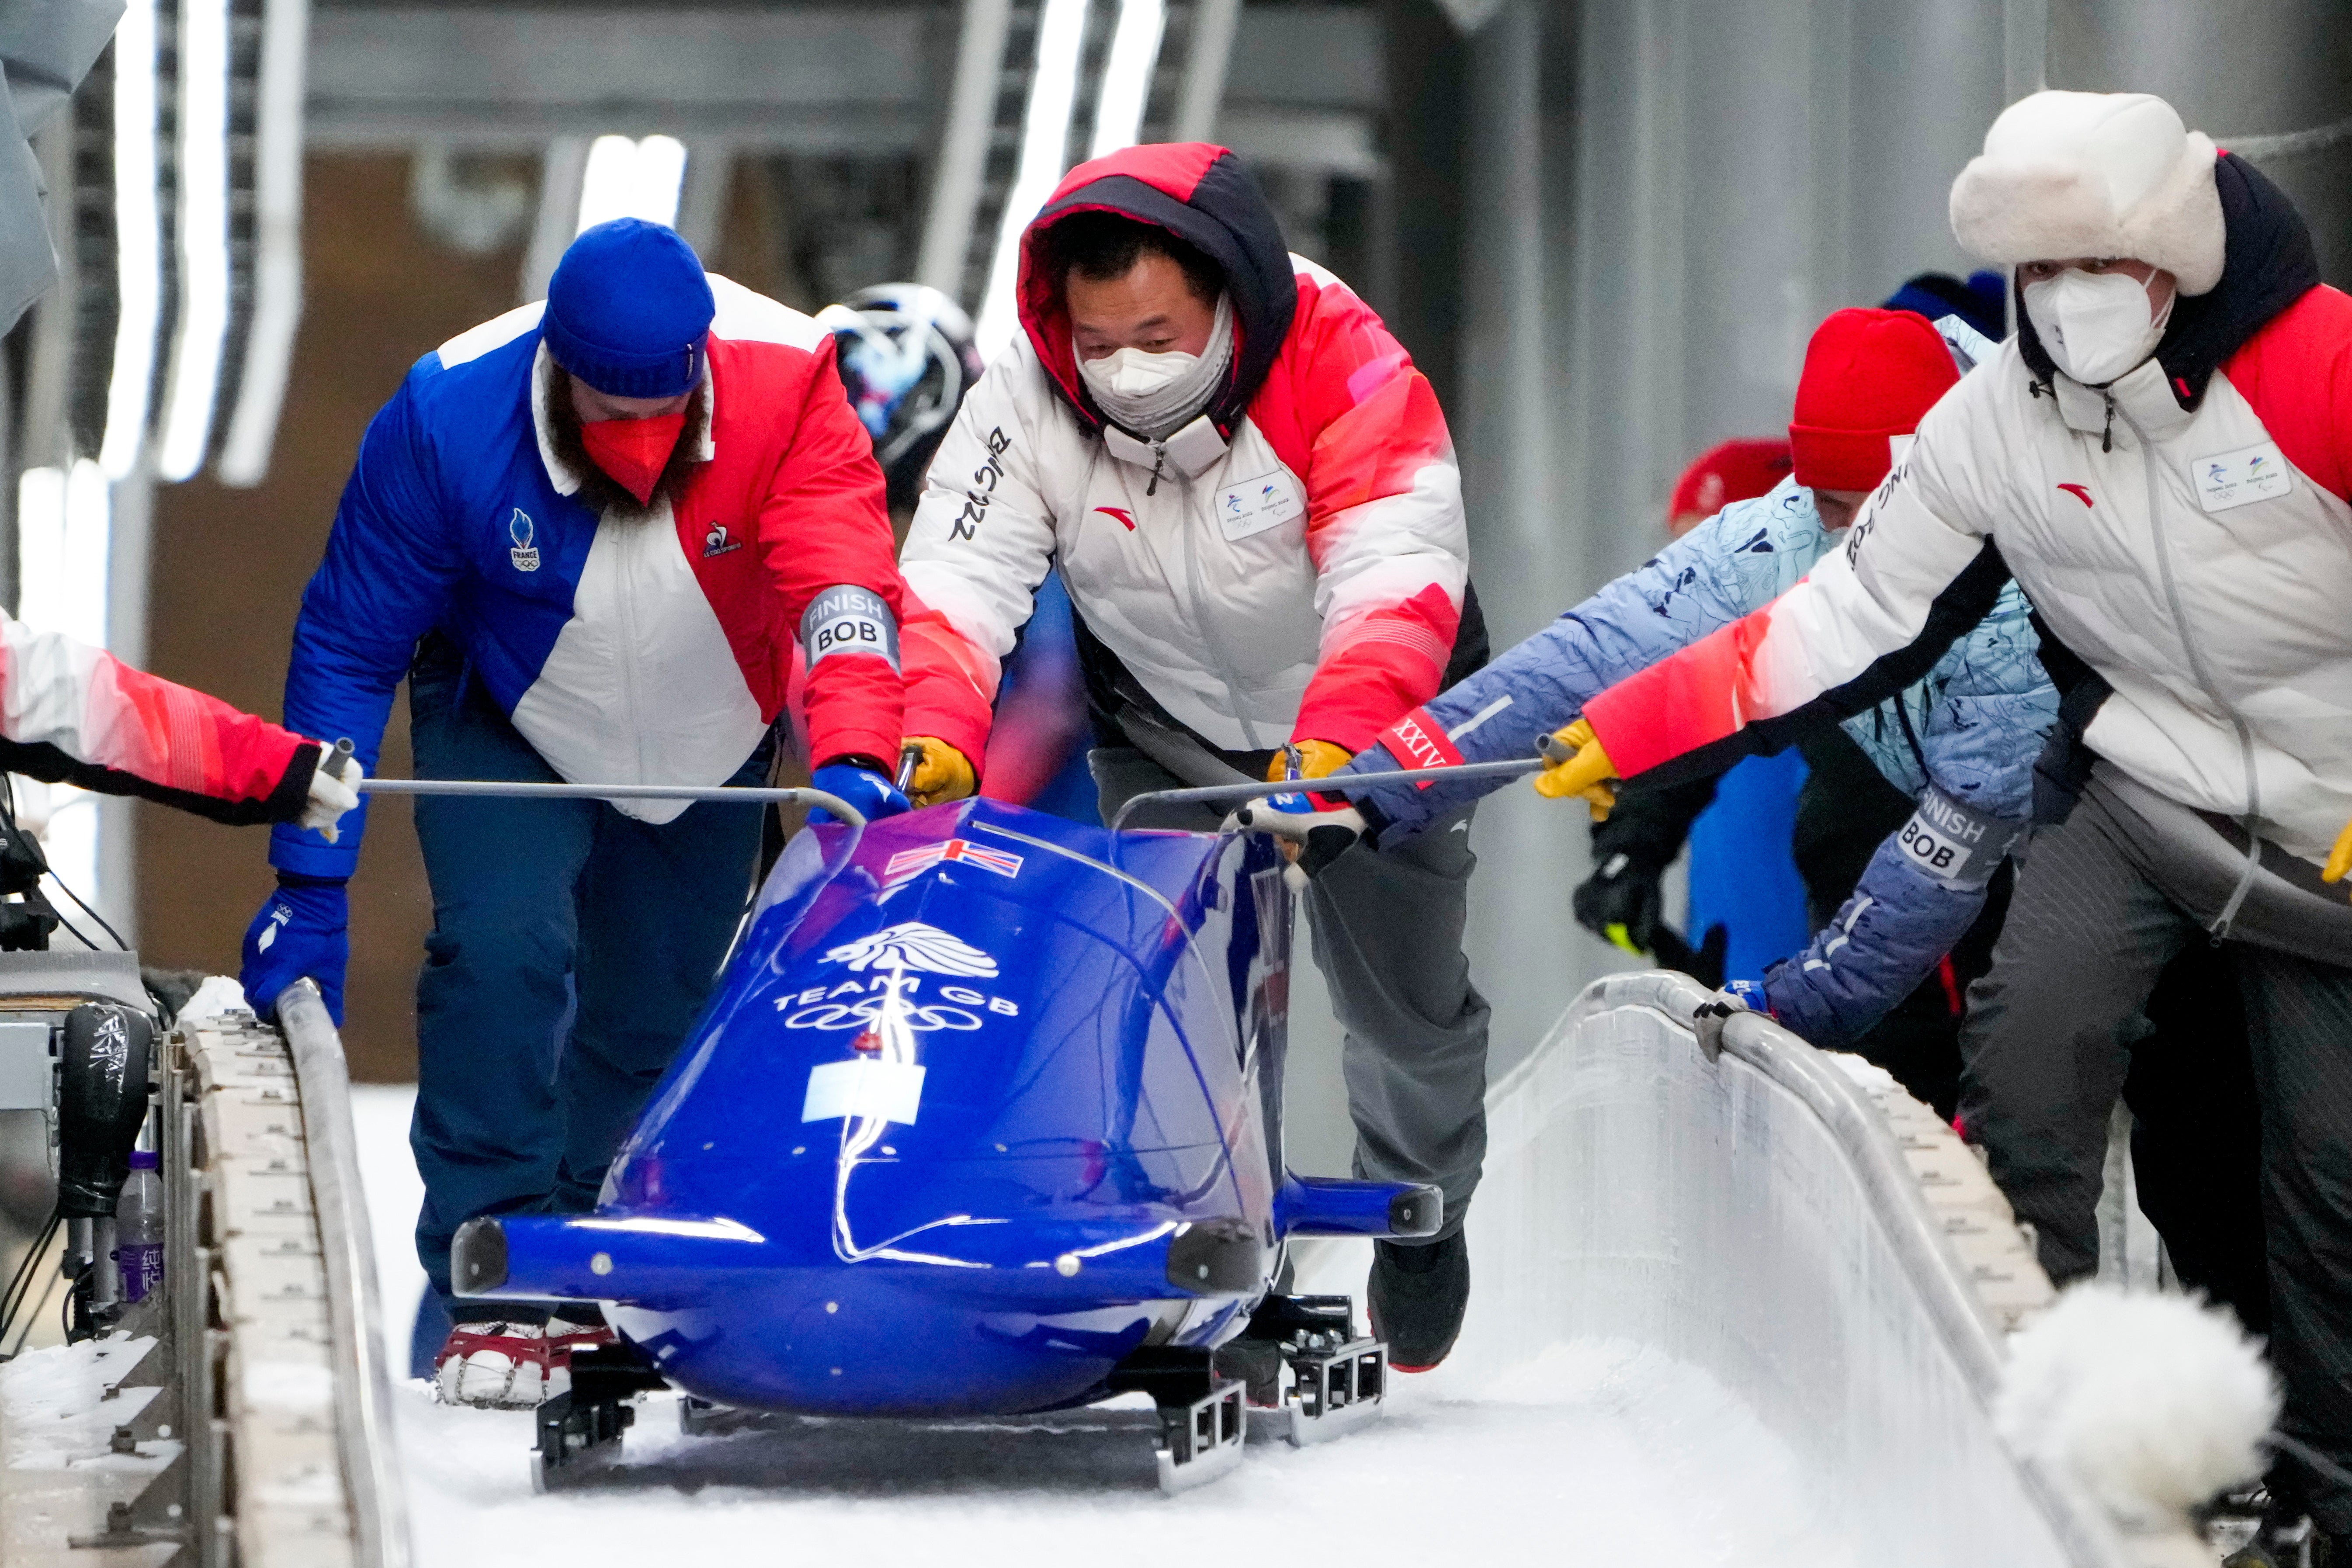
(2153,1402)
(2114,175)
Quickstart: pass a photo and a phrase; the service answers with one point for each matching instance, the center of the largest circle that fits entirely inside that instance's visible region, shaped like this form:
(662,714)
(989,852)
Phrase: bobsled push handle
(801,796)
(1383,1210)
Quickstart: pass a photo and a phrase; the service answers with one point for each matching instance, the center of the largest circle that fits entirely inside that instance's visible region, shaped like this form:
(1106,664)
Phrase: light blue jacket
(1965,736)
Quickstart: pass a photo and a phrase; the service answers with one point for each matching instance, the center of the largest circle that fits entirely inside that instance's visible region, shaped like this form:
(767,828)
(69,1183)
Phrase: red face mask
(633,451)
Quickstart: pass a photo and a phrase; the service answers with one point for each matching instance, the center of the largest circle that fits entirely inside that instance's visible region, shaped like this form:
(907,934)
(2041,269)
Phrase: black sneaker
(1417,1297)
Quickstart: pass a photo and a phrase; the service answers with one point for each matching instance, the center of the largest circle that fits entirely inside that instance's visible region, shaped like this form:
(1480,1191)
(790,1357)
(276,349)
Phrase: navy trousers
(572,948)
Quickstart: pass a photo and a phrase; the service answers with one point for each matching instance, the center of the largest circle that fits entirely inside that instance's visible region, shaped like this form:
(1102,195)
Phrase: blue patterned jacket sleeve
(1736,561)
(1971,729)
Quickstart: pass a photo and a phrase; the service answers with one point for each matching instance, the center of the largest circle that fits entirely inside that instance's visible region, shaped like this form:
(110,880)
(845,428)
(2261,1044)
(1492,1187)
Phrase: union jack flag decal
(907,863)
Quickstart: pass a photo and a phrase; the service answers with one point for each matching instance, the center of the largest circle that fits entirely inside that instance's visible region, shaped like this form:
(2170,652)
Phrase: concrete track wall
(1758,1218)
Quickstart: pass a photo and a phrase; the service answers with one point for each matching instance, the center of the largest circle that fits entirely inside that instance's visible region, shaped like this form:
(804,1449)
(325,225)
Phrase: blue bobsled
(984,1119)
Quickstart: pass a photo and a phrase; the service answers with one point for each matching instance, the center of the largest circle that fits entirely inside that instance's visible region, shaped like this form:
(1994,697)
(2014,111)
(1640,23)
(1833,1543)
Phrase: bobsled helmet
(907,358)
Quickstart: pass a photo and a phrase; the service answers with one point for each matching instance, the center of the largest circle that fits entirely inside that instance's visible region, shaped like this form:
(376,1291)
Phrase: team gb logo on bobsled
(890,955)
(911,944)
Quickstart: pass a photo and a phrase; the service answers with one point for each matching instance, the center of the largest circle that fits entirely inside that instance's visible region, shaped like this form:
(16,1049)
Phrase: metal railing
(363,1413)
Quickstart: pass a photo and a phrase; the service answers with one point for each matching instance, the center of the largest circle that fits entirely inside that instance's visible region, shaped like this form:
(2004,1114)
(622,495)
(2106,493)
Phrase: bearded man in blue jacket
(605,540)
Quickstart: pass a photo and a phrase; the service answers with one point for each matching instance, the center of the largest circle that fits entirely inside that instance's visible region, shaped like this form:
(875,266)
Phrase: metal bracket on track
(1204,1417)
(579,1432)
(1338,1379)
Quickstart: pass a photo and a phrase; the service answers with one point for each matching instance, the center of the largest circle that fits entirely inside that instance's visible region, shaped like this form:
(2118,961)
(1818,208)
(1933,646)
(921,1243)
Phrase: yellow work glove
(943,774)
(1316,758)
(2339,859)
(1578,767)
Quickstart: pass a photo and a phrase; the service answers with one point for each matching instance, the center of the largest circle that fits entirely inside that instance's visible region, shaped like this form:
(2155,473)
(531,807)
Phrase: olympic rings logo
(862,1014)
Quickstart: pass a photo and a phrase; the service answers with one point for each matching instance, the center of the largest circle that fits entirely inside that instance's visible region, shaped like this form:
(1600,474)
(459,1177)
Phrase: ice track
(1594,1451)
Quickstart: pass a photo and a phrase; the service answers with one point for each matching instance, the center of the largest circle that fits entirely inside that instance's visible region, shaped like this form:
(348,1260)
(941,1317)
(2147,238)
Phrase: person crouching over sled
(1250,493)
(591,535)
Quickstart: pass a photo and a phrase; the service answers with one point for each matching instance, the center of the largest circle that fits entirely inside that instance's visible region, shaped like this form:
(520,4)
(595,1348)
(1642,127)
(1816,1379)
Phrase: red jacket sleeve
(72,713)
(824,525)
(1384,522)
(2296,372)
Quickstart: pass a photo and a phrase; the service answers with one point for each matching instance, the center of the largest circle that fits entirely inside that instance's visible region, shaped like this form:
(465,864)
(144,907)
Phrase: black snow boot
(1418,1294)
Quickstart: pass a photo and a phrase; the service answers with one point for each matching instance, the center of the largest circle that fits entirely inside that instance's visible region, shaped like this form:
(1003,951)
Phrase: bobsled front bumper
(664,1262)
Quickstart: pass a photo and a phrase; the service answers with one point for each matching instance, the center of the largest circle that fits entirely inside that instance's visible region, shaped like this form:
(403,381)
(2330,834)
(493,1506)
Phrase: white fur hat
(2093,173)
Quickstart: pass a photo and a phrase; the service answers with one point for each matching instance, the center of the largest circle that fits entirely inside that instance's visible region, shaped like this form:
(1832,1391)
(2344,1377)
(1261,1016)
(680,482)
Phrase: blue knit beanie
(628,310)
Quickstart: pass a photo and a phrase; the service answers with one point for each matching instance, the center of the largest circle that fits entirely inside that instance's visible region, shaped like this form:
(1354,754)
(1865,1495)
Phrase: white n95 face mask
(1154,394)
(2095,326)
(1135,373)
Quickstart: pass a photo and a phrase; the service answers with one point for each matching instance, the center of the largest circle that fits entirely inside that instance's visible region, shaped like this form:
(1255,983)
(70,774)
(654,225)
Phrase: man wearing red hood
(1251,496)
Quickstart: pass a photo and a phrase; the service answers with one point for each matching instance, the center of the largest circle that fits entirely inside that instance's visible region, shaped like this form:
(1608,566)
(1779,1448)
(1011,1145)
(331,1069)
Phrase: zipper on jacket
(2219,928)
(2108,436)
(628,650)
(1221,663)
(1213,661)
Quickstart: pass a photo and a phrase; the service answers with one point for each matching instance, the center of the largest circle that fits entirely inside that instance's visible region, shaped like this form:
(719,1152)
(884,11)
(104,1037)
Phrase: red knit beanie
(1738,470)
(1869,376)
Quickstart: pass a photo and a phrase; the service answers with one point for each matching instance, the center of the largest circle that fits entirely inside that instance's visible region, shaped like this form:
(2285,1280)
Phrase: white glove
(331,797)
(1712,1015)
(1311,839)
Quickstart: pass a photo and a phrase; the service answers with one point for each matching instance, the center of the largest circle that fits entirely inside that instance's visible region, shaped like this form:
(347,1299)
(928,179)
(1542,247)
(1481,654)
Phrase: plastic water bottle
(138,1228)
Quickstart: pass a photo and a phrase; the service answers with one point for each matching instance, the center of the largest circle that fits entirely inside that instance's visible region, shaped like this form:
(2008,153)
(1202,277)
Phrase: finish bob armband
(846,618)
(1956,845)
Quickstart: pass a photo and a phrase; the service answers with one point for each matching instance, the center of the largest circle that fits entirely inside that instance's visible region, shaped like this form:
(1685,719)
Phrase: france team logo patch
(525,554)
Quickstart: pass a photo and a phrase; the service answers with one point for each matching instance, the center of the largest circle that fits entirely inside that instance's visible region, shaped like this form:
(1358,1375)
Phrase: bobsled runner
(984,1119)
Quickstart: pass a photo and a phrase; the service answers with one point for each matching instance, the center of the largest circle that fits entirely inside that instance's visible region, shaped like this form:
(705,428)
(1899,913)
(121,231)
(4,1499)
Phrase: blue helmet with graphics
(907,358)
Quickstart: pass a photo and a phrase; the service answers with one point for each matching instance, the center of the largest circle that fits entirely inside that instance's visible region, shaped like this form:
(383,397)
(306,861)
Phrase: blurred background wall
(1604,229)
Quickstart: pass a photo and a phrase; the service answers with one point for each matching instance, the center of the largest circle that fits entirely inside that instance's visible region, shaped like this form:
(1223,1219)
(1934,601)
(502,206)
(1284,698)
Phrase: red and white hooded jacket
(2185,536)
(1304,575)
(70,713)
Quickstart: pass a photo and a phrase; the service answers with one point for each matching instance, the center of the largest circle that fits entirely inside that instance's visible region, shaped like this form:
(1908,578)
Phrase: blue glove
(862,787)
(303,931)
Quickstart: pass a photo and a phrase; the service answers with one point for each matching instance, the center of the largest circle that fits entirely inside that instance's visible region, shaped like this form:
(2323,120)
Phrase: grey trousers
(2103,903)
(1386,927)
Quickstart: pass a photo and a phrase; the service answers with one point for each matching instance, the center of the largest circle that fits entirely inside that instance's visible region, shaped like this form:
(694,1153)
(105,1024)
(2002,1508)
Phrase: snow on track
(1595,1452)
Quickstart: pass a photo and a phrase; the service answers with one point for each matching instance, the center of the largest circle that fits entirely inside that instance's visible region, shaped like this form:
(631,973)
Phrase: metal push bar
(1331,784)
(1205,795)
(745,796)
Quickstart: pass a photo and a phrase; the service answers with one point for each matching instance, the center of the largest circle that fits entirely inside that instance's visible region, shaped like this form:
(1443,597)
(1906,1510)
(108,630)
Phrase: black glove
(1313,835)
(1622,903)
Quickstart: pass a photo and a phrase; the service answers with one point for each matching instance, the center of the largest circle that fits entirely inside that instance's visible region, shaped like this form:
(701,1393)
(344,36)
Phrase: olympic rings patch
(861,1014)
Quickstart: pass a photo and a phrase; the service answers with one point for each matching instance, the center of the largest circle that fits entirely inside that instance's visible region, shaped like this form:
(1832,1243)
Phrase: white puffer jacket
(1293,564)
(2186,533)
(2185,557)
